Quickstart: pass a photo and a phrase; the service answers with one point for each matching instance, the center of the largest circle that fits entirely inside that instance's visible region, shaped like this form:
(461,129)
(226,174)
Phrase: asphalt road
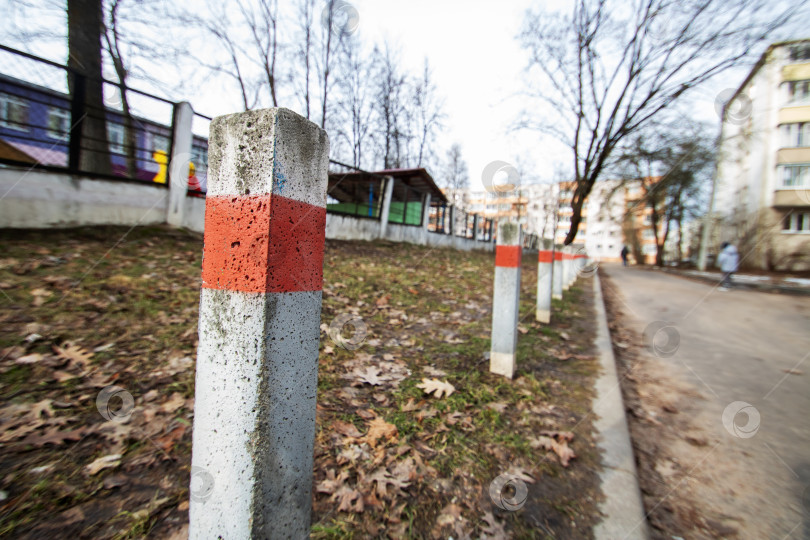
(739,346)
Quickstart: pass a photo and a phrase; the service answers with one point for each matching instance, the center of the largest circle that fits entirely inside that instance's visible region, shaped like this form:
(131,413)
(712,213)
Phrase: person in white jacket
(728,261)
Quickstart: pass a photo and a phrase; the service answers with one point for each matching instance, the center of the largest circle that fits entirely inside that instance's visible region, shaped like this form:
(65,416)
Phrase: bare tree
(428,113)
(85,28)
(356,100)
(608,68)
(671,170)
(248,38)
(303,52)
(390,105)
(455,177)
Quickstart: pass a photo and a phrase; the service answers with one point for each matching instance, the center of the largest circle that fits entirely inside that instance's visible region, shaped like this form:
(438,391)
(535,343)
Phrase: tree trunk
(85,26)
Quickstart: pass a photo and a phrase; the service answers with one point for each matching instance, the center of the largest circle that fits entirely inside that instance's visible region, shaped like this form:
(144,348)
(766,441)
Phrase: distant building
(762,198)
(611,217)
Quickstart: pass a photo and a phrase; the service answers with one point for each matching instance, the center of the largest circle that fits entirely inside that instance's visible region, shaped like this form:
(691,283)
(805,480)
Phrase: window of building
(13,112)
(800,52)
(796,222)
(160,142)
(648,234)
(795,135)
(58,123)
(115,134)
(199,154)
(649,249)
(798,91)
(794,177)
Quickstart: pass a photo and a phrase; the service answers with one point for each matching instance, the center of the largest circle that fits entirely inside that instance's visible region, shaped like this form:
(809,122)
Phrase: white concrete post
(385,211)
(425,211)
(566,267)
(506,299)
(557,273)
(257,359)
(425,217)
(179,163)
(545,266)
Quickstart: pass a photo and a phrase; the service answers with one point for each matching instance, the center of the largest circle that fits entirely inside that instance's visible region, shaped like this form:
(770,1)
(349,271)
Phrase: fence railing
(57,118)
(465,224)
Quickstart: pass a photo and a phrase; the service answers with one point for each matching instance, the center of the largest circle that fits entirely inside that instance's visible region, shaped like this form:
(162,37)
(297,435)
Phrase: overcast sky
(477,65)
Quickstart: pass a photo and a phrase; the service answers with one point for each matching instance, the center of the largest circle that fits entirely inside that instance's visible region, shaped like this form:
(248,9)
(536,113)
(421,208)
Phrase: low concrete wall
(41,200)
(340,227)
(194,214)
(457,242)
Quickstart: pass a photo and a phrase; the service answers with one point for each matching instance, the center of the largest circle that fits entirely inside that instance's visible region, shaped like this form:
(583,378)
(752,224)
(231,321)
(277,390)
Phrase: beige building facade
(762,201)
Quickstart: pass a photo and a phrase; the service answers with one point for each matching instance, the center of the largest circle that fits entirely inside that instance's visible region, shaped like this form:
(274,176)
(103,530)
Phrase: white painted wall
(41,200)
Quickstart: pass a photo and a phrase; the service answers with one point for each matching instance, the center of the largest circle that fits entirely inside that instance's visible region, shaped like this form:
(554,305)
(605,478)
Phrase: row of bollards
(557,269)
(259,323)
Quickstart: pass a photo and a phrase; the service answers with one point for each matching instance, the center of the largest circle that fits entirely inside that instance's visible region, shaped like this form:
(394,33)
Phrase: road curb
(622,507)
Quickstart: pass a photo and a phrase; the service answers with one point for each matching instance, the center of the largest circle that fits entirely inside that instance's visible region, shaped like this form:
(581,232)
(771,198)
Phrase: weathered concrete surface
(545,267)
(35,200)
(257,361)
(736,346)
(506,299)
(557,273)
(622,506)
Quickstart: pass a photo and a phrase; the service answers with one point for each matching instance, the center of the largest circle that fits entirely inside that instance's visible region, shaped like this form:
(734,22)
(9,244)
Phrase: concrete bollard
(566,265)
(557,273)
(257,360)
(545,267)
(506,299)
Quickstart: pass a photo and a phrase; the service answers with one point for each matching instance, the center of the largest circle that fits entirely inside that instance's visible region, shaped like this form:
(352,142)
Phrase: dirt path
(706,472)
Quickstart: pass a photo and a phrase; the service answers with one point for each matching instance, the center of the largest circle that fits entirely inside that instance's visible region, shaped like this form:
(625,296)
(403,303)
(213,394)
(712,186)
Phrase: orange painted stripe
(508,256)
(558,255)
(263,243)
(545,256)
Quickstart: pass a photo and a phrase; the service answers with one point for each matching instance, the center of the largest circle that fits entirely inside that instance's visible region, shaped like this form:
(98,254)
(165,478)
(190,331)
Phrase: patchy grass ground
(82,310)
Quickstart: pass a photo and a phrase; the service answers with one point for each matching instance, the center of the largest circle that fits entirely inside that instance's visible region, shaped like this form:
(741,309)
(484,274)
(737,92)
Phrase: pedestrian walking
(728,260)
(625,251)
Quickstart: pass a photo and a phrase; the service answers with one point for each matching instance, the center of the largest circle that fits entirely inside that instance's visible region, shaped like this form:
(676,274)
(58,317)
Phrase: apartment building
(545,210)
(762,198)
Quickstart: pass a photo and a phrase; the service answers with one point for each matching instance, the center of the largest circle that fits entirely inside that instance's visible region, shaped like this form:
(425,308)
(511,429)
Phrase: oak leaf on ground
(438,388)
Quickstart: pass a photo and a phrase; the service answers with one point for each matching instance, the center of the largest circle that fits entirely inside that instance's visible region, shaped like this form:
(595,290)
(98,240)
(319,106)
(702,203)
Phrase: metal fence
(349,195)
(57,118)
(407,205)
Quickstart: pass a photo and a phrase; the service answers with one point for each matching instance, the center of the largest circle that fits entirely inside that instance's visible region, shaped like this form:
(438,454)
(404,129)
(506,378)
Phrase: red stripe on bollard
(545,256)
(242,254)
(558,255)
(508,256)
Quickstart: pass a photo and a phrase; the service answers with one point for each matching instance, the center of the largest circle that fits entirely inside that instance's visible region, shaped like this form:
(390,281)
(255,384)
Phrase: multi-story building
(762,198)
(611,217)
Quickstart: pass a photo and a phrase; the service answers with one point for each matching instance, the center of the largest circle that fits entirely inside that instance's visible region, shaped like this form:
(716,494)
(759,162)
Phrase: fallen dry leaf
(380,429)
(558,447)
(494,529)
(438,388)
(175,401)
(346,495)
(75,354)
(331,484)
(383,479)
(32,358)
(346,428)
(104,462)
